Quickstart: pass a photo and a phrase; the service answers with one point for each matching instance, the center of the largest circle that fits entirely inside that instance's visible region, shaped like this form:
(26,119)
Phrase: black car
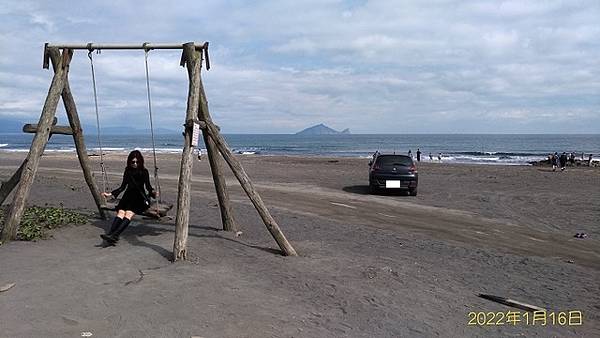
(397,172)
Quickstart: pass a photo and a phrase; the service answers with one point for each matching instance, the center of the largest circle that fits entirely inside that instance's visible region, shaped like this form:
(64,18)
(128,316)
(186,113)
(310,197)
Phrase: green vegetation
(37,220)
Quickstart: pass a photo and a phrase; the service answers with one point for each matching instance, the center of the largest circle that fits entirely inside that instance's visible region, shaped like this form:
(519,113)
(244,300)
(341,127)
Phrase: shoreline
(148,152)
(487,149)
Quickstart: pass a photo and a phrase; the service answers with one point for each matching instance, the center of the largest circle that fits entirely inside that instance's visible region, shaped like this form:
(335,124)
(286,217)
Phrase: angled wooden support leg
(8,186)
(82,155)
(191,59)
(227,220)
(248,187)
(11,225)
(214,158)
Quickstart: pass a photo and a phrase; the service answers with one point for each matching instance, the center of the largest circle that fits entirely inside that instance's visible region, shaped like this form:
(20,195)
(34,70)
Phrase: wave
(247,150)
(2,145)
(499,153)
(143,150)
(489,159)
(107,149)
(160,150)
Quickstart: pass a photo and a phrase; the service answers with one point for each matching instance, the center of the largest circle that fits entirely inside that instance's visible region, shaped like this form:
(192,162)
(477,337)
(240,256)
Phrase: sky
(280,66)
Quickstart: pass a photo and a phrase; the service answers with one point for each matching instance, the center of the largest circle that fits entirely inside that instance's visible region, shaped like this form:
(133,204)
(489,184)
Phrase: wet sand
(369,265)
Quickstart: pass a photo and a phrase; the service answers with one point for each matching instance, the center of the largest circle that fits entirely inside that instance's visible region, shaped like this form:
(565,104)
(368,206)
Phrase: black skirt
(132,200)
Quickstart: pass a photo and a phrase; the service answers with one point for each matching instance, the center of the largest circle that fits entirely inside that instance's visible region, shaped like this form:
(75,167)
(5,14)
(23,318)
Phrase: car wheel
(413,192)
(373,189)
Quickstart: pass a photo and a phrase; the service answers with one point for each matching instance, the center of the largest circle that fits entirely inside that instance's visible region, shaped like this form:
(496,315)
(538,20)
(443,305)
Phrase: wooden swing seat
(156,209)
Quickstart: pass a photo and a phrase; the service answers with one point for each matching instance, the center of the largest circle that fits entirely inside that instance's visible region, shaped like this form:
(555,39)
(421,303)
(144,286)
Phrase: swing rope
(156,180)
(102,167)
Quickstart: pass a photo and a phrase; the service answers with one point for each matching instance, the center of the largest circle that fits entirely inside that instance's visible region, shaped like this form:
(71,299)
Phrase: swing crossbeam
(123,46)
(146,46)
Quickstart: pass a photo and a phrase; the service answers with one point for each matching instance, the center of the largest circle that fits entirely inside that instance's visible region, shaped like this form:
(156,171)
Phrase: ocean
(456,148)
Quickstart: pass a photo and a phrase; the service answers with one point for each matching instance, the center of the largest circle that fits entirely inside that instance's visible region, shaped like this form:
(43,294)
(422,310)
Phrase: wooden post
(214,158)
(191,59)
(11,225)
(248,187)
(77,132)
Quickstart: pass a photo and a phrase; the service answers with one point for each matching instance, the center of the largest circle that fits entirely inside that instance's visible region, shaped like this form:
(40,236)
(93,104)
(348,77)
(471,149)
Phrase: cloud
(42,20)
(278,66)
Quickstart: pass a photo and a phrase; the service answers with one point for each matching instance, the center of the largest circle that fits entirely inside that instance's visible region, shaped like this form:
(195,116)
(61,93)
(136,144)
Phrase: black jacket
(135,180)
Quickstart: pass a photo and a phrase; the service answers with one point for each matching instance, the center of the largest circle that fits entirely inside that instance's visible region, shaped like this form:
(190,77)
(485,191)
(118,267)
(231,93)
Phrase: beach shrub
(37,220)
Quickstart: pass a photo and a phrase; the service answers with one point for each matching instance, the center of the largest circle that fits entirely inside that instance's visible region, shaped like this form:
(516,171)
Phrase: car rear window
(394,160)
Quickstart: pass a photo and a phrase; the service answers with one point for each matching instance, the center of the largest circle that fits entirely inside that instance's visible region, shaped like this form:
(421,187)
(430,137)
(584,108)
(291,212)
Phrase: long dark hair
(138,156)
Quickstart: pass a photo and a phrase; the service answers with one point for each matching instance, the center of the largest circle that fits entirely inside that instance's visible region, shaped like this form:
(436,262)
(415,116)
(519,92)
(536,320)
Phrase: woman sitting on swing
(135,200)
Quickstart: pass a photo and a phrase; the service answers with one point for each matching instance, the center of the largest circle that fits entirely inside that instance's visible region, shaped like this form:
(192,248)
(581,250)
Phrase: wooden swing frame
(196,113)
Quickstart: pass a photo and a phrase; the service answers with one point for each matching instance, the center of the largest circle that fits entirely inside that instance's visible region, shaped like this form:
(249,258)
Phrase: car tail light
(375,167)
(413,169)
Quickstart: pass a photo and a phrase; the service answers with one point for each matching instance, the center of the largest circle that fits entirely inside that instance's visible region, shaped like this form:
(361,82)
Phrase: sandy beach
(385,265)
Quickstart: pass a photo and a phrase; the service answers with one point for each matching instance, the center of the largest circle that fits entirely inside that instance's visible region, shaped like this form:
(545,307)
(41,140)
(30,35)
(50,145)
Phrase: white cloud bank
(279,66)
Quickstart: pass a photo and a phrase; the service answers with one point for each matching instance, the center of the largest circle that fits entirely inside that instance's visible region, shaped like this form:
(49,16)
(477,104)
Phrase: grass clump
(37,220)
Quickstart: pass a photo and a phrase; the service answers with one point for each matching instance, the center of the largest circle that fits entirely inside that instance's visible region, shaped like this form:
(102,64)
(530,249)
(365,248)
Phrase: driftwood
(7,287)
(15,212)
(511,302)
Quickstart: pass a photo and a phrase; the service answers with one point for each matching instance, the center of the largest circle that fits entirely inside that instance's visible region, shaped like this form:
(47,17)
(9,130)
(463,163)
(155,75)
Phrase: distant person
(590,160)
(440,157)
(554,161)
(374,156)
(409,153)
(563,161)
(572,159)
(430,157)
(418,155)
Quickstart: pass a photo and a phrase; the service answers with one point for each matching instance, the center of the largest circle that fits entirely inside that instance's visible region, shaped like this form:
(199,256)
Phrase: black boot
(115,225)
(109,239)
(115,236)
(113,228)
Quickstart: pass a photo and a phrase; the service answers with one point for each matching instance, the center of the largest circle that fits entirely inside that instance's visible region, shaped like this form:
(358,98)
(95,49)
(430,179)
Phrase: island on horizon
(321,129)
